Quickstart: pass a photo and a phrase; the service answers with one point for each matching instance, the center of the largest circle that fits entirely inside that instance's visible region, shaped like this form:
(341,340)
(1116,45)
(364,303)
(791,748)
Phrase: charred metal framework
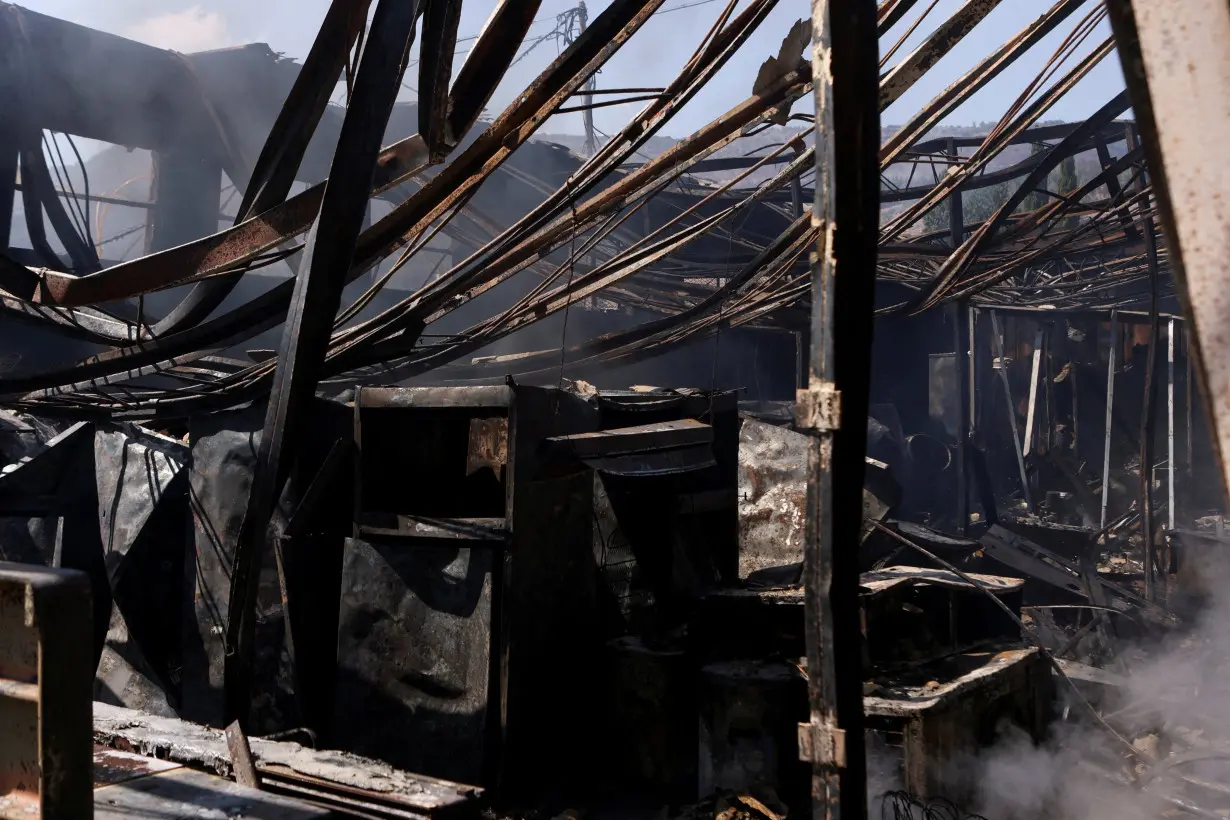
(1090,252)
(1082,250)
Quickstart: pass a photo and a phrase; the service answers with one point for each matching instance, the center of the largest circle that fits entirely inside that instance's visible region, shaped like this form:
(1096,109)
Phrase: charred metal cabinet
(46,681)
(468,592)
(681,527)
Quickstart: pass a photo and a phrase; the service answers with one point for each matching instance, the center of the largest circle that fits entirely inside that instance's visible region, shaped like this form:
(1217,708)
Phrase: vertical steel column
(961,333)
(1170,500)
(1149,401)
(802,338)
(1187,404)
(1174,99)
(591,138)
(833,409)
(1110,408)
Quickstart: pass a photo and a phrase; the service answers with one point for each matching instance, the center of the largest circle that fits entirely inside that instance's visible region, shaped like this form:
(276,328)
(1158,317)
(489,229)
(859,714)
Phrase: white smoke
(1173,705)
(193,29)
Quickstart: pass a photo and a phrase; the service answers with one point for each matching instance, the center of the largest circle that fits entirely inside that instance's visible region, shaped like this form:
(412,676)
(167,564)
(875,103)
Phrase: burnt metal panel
(346,782)
(182,791)
(143,518)
(953,707)
(772,499)
(414,655)
(132,479)
(479,572)
(553,639)
(223,457)
(750,711)
(651,721)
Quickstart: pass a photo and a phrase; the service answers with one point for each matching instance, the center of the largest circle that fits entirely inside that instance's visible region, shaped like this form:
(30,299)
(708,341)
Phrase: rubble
(461,474)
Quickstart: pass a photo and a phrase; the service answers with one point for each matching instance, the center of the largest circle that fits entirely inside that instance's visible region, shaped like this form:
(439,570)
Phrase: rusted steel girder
(707,61)
(952,31)
(485,66)
(1110,133)
(995,142)
(548,303)
(891,12)
(1182,104)
(833,408)
(439,46)
(318,289)
(224,251)
(673,161)
(976,78)
(218,253)
(278,164)
(956,264)
(439,195)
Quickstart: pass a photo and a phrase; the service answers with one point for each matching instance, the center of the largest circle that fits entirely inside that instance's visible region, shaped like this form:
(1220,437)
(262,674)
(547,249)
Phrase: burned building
(388,458)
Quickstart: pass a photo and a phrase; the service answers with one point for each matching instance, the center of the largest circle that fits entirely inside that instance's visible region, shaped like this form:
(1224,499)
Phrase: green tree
(936,219)
(1036,199)
(982,203)
(1067,183)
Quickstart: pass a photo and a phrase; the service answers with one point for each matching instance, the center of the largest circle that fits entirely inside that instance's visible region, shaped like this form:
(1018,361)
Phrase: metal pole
(971,322)
(591,141)
(802,338)
(1187,404)
(1149,402)
(833,409)
(956,231)
(1110,407)
(997,344)
(1032,414)
(1170,501)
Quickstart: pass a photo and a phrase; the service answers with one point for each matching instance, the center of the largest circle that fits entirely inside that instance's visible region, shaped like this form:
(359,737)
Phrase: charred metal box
(468,597)
(921,722)
(925,720)
(944,671)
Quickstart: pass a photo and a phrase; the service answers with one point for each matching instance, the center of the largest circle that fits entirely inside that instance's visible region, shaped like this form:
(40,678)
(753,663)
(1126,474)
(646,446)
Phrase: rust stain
(488,445)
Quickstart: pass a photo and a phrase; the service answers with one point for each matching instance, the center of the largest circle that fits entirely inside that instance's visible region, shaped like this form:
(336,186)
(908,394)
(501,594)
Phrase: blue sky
(650,59)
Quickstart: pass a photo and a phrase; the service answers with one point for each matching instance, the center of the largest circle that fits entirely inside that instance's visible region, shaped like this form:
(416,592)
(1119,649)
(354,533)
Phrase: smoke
(193,29)
(1172,703)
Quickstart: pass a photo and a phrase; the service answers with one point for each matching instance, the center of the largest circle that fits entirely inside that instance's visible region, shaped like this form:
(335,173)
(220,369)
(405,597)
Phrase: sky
(650,59)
